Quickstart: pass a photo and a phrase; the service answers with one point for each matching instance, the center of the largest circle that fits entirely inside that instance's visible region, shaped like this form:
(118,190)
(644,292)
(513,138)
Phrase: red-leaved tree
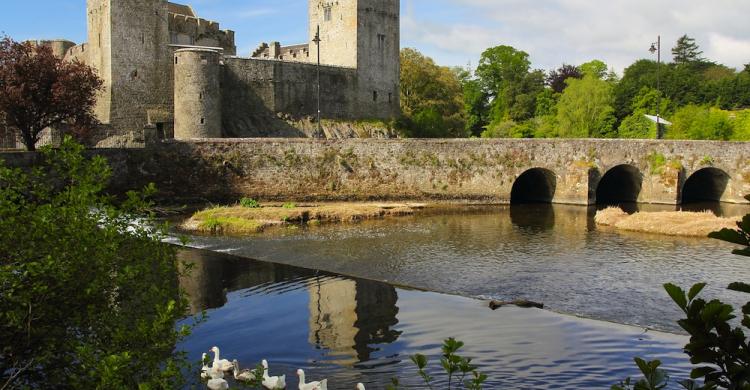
(39,90)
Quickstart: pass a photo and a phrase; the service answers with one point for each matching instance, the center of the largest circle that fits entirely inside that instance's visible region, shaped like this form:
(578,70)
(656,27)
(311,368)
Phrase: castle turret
(197,94)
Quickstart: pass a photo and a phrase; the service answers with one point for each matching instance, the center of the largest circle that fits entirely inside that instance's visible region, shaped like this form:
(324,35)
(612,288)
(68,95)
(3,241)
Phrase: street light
(319,134)
(656,48)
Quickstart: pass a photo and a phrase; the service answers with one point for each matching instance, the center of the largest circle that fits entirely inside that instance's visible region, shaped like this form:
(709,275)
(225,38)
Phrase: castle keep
(174,74)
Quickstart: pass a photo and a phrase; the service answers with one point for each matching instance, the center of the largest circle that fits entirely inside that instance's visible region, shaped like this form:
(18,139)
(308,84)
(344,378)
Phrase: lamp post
(656,48)
(319,133)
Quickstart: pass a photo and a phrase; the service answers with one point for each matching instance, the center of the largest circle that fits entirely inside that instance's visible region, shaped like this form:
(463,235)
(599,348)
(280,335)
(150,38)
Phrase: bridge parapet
(577,171)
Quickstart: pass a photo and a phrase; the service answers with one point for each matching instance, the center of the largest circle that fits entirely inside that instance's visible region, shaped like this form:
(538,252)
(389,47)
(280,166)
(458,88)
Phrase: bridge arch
(536,185)
(621,184)
(706,184)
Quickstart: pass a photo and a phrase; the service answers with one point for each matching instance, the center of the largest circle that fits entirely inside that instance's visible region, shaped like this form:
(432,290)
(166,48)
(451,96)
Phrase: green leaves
(695,290)
(452,364)
(677,295)
(94,281)
(653,377)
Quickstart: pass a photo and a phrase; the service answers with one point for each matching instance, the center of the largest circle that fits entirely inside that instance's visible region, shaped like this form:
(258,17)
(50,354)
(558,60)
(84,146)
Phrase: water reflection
(349,316)
(535,217)
(352,330)
(210,277)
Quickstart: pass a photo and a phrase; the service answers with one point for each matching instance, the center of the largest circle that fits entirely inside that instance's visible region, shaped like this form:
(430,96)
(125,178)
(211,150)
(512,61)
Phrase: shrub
(454,365)
(249,203)
(289,205)
(89,298)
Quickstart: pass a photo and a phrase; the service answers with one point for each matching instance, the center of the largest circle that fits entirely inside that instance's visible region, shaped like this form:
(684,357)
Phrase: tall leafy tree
(504,74)
(686,51)
(429,91)
(475,102)
(556,78)
(585,109)
(595,68)
(39,90)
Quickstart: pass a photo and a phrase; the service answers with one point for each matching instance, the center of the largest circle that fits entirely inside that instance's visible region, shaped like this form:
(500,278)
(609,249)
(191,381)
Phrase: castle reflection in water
(348,317)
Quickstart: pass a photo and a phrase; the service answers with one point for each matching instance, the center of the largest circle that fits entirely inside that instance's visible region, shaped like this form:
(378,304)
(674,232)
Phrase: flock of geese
(215,375)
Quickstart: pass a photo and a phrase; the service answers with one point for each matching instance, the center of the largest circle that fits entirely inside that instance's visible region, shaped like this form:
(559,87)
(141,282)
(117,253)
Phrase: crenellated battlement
(195,31)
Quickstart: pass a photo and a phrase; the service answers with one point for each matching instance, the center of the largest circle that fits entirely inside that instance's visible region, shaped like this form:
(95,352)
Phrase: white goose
(245,375)
(220,364)
(216,382)
(272,382)
(318,385)
(207,372)
(360,386)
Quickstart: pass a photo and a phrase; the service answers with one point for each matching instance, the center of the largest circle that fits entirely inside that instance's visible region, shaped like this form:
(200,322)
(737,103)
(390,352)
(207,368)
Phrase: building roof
(180,9)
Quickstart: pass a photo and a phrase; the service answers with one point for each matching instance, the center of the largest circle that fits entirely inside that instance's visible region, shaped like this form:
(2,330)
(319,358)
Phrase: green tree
(585,109)
(686,51)
(430,89)
(89,296)
(475,101)
(741,126)
(504,74)
(596,68)
(700,122)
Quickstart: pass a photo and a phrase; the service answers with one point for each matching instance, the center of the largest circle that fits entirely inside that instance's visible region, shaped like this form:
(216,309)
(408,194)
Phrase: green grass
(229,225)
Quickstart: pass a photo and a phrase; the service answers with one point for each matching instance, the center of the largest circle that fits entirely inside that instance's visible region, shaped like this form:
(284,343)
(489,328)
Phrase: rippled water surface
(352,330)
(550,254)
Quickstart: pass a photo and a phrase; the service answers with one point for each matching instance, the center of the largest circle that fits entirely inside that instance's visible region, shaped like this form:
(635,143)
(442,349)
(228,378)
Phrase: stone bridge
(573,171)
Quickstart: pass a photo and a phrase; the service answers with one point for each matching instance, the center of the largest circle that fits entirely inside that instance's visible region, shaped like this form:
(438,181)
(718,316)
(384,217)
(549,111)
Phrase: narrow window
(374,96)
(203,121)
(327,14)
(390,97)
(200,96)
(175,60)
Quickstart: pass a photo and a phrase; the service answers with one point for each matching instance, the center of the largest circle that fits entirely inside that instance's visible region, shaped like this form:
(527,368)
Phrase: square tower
(128,45)
(362,34)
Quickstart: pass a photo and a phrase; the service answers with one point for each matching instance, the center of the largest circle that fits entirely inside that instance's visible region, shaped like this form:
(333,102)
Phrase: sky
(455,32)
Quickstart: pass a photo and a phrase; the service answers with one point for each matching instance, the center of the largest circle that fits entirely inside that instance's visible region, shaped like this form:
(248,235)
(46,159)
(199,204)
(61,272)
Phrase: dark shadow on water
(718,208)
(535,217)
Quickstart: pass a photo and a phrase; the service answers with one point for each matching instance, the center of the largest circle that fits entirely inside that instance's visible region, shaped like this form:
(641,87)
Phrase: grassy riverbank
(672,223)
(239,219)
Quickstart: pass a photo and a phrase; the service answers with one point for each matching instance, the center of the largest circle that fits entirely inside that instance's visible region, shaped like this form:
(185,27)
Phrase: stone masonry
(495,171)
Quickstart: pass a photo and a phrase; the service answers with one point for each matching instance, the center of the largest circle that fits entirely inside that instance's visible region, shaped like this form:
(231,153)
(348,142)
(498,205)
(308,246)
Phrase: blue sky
(455,32)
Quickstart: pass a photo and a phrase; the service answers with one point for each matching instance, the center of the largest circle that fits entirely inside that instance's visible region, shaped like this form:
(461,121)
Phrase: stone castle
(169,73)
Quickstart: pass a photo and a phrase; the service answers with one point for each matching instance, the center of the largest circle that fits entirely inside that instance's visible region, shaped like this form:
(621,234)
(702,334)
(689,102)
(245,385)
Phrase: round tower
(197,94)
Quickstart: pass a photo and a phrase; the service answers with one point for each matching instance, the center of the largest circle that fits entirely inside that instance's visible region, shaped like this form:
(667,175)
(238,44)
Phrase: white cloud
(575,31)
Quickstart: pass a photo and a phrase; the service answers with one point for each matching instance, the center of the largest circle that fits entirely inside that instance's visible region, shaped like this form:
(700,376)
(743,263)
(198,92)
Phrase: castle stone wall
(257,91)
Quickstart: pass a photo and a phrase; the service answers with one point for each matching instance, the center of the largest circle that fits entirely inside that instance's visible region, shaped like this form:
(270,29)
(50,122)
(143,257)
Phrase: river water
(545,253)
